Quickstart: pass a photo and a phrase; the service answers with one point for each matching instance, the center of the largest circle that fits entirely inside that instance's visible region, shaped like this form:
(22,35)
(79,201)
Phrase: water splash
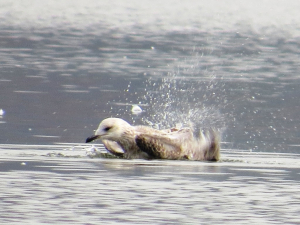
(188,97)
(187,100)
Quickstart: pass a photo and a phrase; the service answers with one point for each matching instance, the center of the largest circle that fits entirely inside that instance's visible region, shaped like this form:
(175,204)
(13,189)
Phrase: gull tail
(211,139)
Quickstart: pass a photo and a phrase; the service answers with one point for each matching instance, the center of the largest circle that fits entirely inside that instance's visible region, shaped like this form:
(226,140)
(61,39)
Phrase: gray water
(67,65)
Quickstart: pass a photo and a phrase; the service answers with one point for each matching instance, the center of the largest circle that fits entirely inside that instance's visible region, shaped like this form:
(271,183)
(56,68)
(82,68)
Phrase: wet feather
(126,141)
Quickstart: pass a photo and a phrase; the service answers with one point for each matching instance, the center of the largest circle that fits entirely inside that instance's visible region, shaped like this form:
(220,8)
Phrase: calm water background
(67,65)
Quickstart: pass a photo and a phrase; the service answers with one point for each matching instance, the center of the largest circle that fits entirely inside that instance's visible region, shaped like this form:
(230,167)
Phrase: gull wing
(113,147)
(162,145)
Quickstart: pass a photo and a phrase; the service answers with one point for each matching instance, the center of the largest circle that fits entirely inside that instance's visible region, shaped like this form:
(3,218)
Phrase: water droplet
(136,109)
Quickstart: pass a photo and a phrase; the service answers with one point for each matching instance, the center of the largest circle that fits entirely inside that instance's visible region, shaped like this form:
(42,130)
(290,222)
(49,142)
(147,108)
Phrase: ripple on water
(73,188)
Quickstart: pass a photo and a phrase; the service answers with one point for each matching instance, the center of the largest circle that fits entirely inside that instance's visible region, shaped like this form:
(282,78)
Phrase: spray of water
(186,97)
(176,101)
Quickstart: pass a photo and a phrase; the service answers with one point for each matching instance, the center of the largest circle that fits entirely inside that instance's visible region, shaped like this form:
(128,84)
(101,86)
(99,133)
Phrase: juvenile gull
(132,142)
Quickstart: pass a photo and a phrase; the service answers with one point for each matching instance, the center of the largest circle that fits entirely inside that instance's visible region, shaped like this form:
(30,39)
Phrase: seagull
(142,142)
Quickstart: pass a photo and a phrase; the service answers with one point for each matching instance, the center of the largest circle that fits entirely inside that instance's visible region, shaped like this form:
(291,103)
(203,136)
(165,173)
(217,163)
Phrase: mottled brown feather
(126,141)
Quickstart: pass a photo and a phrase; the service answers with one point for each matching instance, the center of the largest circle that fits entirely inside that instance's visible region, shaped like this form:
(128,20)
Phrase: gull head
(110,129)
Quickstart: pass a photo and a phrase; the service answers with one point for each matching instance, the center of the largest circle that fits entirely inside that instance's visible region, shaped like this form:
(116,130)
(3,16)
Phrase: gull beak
(92,138)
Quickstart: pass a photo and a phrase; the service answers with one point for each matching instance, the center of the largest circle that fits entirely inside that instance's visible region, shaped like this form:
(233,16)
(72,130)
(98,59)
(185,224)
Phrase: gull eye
(107,128)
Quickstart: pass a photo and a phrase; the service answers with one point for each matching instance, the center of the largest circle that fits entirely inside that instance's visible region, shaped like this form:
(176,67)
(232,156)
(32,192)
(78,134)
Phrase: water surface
(67,187)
